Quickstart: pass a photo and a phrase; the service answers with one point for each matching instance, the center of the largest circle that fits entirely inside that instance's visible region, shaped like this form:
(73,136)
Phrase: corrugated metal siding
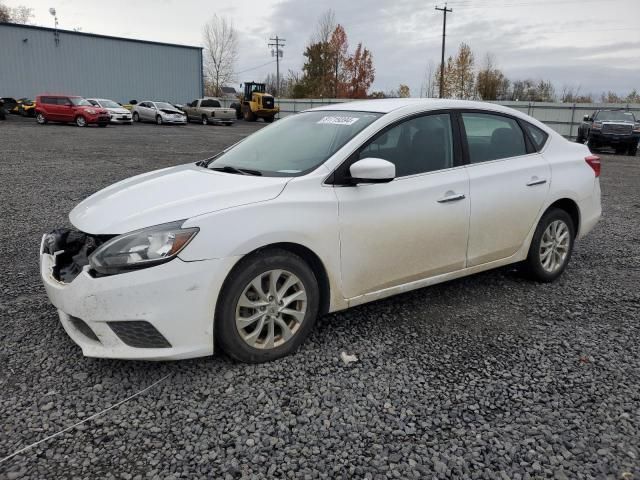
(94,66)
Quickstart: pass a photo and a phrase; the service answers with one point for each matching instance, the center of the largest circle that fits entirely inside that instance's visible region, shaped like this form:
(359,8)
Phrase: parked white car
(349,203)
(158,112)
(118,113)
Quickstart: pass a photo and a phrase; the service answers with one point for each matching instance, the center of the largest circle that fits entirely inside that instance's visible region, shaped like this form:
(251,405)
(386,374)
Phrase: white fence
(564,118)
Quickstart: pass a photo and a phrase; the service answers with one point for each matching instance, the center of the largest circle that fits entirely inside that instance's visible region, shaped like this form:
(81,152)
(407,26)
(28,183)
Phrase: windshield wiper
(237,171)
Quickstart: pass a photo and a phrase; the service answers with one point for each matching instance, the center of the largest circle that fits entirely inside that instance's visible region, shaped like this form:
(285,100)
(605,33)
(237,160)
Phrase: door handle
(451,197)
(536,181)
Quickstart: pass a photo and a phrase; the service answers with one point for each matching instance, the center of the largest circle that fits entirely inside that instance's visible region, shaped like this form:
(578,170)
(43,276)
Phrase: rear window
(492,137)
(210,103)
(538,135)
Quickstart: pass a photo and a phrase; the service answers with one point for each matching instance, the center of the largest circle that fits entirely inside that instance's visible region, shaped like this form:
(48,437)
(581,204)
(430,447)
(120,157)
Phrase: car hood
(119,110)
(170,110)
(168,195)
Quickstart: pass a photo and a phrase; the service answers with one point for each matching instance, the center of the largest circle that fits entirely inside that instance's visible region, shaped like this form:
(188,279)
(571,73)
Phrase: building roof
(73,32)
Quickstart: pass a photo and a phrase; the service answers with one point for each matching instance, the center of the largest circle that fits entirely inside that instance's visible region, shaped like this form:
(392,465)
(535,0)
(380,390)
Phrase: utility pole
(444,34)
(278,53)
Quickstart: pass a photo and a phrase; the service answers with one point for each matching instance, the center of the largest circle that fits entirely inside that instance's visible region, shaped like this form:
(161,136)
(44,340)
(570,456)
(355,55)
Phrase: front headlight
(142,248)
(91,111)
(597,126)
(636,128)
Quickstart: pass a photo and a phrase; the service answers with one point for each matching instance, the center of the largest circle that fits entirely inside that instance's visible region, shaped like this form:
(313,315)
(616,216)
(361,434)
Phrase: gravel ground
(486,377)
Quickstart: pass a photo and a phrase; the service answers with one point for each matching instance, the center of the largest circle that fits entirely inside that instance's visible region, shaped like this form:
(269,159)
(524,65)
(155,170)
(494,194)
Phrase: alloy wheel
(40,118)
(554,246)
(271,309)
(81,121)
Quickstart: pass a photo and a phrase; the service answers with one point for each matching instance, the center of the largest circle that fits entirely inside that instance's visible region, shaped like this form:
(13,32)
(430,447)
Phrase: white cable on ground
(17,452)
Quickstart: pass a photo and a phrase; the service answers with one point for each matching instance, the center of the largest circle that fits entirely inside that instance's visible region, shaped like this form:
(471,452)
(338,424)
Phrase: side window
(492,137)
(422,144)
(63,101)
(94,103)
(538,136)
(194,103)
(46,100)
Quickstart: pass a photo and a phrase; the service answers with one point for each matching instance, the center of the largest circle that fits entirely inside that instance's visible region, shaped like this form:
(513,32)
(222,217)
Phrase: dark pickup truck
(617,129)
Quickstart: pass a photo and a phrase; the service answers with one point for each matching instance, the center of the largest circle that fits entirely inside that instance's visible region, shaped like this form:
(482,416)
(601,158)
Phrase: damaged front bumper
(158,313)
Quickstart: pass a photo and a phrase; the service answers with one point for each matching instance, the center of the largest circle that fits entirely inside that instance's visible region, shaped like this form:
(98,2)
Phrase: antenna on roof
(56,34)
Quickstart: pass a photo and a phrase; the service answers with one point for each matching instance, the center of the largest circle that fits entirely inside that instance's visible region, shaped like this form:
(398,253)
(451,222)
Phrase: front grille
(620,129)
(83,328)
(267,102)
(139,334)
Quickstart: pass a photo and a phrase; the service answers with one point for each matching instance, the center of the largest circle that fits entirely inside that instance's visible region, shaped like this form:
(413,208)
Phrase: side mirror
(372,170)
(586,118)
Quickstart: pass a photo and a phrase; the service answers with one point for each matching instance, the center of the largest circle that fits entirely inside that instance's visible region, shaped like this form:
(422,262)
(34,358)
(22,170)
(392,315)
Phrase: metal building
(34,60)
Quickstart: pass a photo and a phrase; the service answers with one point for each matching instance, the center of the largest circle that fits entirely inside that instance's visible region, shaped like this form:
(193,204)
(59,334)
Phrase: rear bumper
(176,300)
(590,211)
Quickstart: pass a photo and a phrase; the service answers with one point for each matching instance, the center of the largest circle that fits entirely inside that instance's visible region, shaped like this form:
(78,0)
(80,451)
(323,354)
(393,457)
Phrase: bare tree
(325,28)
(220,53)
(19,14)
(428,88)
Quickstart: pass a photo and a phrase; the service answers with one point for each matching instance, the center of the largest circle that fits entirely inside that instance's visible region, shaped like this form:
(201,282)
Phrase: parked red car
(67,109)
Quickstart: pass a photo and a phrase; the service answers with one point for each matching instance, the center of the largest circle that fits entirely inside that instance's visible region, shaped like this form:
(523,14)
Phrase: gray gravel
(486,377)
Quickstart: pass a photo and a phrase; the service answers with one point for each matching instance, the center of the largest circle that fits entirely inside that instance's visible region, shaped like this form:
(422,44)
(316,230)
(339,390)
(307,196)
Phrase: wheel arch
(571,207)
(309,256)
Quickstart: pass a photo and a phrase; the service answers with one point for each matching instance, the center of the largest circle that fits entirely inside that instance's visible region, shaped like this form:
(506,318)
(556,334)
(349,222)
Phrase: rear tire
(551,246)
(40,118)
(593,146)
(580,138)
(621,150)
(258,326)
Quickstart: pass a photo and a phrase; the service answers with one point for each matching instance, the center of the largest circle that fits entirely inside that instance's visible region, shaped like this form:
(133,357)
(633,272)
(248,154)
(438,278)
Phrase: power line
(255,68)
(277,43)
(444,34)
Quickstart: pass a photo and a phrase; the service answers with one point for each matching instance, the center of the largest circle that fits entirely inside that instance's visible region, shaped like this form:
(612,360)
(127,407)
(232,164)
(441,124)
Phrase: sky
(593,45)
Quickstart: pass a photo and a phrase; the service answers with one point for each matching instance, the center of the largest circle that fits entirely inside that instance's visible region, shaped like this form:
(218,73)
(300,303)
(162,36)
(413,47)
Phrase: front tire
(158,120)
(205,120)
(269,119)
(81,121)
(633,150)
(551,246)
(136,117)
(268,306)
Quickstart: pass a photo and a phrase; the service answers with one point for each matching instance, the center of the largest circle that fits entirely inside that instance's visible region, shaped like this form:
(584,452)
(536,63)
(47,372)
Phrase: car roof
(417,105)
(387,105)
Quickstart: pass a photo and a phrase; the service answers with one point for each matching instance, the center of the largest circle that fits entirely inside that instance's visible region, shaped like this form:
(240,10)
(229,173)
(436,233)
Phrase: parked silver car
(118,113)
(158,112)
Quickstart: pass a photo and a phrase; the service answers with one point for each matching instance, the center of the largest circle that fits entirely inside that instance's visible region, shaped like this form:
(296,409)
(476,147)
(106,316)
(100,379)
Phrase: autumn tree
(360,72)
(338,46)
(463,81)
(220,53)
(448,84)
(633,97)
(329,70)
(491,84)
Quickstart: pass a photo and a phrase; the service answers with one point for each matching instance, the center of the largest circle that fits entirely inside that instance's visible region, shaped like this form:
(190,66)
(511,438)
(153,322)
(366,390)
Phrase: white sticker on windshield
(339,120)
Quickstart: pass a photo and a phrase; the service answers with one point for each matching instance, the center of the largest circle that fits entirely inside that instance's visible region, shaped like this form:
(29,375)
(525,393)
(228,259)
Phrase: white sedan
(321,211)
(118,113)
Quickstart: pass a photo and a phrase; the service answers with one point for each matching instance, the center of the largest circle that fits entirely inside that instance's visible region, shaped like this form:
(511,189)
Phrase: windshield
(165,105)
(297,144)
(109,104)
(81,102)
(615,115)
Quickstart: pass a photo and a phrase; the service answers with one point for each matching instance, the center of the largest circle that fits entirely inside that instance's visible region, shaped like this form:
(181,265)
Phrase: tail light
(594,162)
